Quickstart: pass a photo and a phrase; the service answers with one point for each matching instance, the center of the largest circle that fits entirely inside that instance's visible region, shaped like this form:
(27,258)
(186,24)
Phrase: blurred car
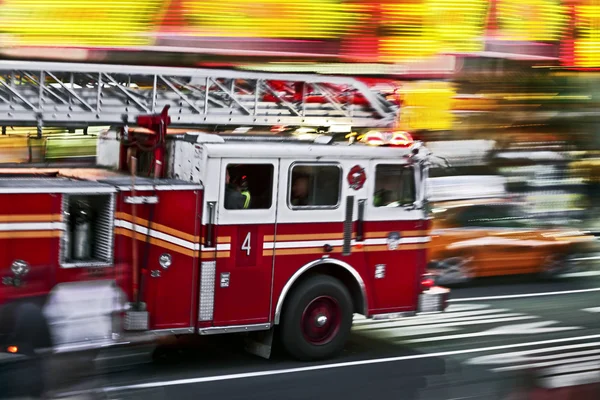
(486,238)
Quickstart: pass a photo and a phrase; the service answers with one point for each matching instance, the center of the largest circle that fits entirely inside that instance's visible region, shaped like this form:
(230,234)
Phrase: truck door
(396,236)
(245,220)
(167,237)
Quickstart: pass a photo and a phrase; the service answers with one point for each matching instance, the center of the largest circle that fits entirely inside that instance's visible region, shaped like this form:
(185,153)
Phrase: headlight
(165,260)
(19,268)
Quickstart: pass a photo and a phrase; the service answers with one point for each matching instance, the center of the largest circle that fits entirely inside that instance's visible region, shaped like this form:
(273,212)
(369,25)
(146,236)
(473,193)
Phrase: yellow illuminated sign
(76,22)
(531,20)
(407,29)
(423,29)
(427,106)
(408,35)
(307,19)
(460,24)
(587,43)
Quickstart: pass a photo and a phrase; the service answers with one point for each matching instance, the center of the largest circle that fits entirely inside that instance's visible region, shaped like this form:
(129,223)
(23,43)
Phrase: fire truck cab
(243,235)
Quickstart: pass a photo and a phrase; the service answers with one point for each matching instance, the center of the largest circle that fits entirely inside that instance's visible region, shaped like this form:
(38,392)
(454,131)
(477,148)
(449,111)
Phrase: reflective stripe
(246,194)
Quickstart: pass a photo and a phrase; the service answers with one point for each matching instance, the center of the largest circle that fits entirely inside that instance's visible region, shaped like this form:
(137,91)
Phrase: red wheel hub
(321,320)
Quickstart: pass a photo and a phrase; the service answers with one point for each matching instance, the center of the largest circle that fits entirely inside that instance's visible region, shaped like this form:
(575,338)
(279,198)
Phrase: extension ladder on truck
(73,94)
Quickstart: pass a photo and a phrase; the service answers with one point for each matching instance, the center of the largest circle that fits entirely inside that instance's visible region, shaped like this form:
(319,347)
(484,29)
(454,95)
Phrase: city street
(491,334)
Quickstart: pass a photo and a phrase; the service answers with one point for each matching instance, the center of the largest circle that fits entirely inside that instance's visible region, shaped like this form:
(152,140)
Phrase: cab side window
(249,186)
(394,185)
(314,186)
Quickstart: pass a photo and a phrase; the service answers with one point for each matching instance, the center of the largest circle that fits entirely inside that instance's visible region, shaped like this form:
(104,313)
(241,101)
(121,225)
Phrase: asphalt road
(492,333)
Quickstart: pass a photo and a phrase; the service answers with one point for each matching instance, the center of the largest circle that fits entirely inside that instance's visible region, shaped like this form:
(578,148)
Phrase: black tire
(30,333)
(553,266)
(7,321)
(294,338)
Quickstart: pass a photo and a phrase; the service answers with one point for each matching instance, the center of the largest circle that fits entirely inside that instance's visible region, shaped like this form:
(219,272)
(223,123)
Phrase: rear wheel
(317,319)
(29,334)
(454,270)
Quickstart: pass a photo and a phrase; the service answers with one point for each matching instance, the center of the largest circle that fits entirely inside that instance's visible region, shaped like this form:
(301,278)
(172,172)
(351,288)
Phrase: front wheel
(317,319)
(553,266)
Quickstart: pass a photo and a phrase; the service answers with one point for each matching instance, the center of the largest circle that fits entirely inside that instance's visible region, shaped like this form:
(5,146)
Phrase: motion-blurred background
(508,91)
(502,88)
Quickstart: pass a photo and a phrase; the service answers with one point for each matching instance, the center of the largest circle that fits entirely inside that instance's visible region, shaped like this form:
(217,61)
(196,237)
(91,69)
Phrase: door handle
(360,227)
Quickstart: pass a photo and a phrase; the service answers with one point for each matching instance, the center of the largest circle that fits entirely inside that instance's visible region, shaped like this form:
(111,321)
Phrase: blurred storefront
(516,82)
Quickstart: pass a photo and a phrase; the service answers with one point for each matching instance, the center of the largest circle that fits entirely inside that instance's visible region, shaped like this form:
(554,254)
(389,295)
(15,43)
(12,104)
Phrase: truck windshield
(394,185)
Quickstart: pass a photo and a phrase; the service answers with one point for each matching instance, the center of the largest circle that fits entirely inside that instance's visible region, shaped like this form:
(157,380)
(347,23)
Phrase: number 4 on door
(246,244)
(249,247)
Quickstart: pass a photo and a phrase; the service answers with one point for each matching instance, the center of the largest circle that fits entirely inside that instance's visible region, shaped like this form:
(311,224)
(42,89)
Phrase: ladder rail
(78,94)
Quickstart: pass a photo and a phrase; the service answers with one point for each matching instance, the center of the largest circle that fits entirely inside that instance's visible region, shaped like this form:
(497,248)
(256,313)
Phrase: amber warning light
(12,349)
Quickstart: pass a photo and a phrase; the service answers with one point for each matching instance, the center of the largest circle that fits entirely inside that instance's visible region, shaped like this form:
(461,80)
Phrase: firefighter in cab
(237,195)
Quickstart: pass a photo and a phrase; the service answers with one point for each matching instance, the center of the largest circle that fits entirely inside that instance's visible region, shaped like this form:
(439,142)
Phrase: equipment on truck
(308,251)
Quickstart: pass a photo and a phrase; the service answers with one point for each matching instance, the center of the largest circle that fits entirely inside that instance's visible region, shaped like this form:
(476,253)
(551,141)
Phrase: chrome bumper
(434,300)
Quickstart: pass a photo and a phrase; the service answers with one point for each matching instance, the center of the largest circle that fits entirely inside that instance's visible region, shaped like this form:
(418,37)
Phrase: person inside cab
(394,186)
(384,194)
(300,190)
(382,198)
(237,196)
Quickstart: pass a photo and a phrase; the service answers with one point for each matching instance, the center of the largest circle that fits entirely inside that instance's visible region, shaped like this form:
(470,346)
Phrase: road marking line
(523,329)
(410,331)
(431,318)
(570,369)
(549,364)
(451,311)
(259,374)
(464,323)
(592,309)
(579,274)
(517,356)
(406,331)
(518,296)
(465,307)
(583,378)
(402,324)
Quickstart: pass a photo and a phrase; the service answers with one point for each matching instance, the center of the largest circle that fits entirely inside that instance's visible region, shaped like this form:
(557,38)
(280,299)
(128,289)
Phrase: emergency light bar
(395,139)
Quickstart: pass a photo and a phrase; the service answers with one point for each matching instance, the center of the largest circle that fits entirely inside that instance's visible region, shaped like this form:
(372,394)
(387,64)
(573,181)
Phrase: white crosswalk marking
(410,331)
(523,356)
(577,379)
(558,366)
(430,321)
(531,329)
(462,315)
(555,367)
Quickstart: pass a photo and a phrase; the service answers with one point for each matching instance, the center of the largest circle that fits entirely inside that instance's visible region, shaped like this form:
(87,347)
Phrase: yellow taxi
(494,237)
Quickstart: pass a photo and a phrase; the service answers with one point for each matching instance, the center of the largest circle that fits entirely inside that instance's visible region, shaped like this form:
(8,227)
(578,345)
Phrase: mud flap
(260,343)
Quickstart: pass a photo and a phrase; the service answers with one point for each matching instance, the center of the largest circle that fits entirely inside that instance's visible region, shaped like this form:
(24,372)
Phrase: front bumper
(434,300)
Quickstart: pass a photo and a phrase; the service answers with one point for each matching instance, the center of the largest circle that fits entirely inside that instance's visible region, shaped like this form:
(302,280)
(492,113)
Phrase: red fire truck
(212,234)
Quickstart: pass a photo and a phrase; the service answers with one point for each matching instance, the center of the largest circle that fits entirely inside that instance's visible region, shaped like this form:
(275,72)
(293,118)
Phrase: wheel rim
(553,265)
(321,320)
(455,270)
